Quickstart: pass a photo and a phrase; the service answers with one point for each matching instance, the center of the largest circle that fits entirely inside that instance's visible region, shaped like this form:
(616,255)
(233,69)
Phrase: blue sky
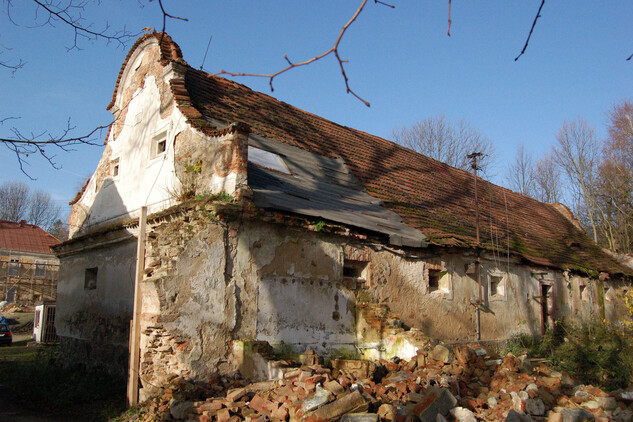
(400,60)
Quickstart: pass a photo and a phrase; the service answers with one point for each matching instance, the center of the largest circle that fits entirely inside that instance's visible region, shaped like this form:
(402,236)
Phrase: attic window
(267,159)
(159,144)
(115,167)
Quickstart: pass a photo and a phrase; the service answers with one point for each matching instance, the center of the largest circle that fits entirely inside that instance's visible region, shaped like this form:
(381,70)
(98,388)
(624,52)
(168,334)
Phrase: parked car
(6,337)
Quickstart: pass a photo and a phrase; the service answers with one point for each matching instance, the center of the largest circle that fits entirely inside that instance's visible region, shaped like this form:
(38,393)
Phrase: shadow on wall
(95,294)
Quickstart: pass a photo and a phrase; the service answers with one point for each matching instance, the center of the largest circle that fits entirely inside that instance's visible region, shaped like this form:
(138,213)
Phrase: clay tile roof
(169,51)
(24,237)
(431,196)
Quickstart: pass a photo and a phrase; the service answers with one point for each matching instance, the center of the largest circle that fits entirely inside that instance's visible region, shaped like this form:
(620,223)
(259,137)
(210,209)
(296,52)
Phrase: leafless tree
(42,210)
(615,178)
(59,230)
(578,154)
(18,203)
(14,201)
(521,174)
(439,138)
(547,182)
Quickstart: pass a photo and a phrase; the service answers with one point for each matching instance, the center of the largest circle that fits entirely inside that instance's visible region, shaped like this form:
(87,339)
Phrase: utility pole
(473,158)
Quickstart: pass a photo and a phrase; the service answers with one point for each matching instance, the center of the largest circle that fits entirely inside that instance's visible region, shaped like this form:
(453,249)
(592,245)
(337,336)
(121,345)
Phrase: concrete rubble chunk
(360,417)
(514,416)
(463,415)
(577,415)
(180,409)
(440,353)
(607,403)
(321,397)
(535,407)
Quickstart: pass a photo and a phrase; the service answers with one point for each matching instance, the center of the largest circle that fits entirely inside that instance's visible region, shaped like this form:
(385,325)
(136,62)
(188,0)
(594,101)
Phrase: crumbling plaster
(93,324)
(145,115)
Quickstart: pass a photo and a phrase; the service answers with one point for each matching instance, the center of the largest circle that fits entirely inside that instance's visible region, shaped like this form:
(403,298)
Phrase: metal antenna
(205,53)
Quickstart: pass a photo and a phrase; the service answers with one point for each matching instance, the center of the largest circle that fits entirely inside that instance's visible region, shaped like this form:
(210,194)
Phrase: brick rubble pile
(463,383)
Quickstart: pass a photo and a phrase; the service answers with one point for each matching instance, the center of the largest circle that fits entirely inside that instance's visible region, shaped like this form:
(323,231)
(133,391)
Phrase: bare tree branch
(333,50)
(448,32)
(39,144)
(59,10)
(165,16)
(538,15)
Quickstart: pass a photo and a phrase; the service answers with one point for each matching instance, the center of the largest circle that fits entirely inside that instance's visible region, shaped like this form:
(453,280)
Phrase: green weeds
(594,353)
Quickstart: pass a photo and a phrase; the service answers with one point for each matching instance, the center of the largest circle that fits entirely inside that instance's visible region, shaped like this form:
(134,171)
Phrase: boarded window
(90,280)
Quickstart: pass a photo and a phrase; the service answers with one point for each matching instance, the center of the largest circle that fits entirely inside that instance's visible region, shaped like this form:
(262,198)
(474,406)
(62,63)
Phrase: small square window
(90,281)
(496,286)
(355,273)
(434,280)
(439,280)
(161,146)
(115,167)
(14,267)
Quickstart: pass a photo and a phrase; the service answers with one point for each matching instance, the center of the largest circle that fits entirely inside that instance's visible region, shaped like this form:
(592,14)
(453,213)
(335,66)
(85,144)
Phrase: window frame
(14,267)
(91,277)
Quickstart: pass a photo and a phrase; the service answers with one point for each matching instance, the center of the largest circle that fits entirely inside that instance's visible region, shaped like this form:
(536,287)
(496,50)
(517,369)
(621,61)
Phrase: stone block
(461,414)
(514,416)
(180,409)
(440,353)
(576,415)
(535,407)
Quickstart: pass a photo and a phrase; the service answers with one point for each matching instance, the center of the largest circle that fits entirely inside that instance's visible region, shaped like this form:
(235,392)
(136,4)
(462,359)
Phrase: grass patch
(18,352)
(594,353)
(32,377)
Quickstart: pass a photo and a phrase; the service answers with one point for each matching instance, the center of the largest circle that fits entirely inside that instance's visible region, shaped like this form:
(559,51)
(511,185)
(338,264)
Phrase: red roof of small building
(23,237)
